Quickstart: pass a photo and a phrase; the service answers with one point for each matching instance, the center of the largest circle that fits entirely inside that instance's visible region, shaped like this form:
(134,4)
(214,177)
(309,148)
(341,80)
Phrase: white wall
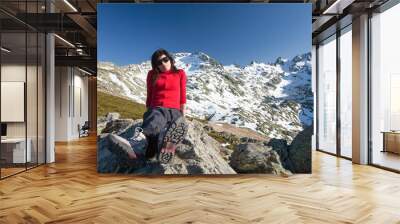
(61,104)
(70,83)
(12,73)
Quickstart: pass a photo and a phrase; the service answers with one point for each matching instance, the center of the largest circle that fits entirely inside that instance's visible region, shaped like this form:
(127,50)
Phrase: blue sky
(230,33)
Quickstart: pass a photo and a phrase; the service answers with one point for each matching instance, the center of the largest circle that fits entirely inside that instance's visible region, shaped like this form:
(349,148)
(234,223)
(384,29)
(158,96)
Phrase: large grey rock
(295,157)
(198,154)
(257,158)
(281,147)
(300,151)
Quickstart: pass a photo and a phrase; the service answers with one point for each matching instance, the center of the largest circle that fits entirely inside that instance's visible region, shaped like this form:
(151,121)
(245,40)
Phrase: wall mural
(204,89)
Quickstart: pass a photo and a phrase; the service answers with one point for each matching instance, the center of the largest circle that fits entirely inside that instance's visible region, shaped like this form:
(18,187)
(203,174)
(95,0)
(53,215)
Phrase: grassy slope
(126,108)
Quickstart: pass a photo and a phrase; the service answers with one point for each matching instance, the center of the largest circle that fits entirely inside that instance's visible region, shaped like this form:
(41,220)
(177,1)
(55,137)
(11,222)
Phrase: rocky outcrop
(117,126)
(300,151)
(295,157)
(257,158)
(199,153)
(102,122)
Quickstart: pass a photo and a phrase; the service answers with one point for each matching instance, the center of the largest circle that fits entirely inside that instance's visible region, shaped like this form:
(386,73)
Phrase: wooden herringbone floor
(71,191)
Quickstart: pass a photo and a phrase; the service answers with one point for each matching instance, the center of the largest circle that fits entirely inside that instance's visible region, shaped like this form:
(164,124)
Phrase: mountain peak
(281,61)
(198,54)
(302,57)
(203,56)
(254,62)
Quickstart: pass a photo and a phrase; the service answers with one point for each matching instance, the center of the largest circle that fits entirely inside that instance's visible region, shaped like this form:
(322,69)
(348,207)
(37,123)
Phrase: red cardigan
(168,91)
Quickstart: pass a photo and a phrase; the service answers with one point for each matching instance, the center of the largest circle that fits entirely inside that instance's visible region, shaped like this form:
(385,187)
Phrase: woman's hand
(183,109)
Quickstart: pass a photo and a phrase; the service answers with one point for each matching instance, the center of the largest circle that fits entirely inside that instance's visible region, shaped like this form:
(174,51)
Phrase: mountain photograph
(248,89)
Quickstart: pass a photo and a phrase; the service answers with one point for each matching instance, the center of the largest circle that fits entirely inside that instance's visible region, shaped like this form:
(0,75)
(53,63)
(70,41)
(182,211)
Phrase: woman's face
(164,64)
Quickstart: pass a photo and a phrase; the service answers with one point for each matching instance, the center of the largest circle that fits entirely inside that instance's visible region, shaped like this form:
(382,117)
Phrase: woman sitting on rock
(163,126)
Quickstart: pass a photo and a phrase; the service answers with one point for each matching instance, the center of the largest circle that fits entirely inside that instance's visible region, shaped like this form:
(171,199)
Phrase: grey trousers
(156,121)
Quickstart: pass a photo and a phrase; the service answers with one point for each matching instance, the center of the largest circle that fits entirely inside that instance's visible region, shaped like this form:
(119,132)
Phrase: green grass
(217,136)
(126,108)
(233,141)
(197,119)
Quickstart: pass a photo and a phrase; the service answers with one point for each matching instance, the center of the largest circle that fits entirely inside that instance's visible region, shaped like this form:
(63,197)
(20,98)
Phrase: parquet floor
(71,191)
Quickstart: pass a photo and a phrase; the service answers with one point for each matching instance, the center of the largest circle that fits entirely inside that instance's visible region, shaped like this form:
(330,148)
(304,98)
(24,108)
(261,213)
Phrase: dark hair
(154,58)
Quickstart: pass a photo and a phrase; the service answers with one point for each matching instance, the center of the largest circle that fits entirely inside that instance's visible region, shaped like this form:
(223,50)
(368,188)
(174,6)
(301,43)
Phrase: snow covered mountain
(274,99)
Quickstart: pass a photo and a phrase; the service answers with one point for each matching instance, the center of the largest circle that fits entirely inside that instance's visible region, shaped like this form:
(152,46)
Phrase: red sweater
(168,91)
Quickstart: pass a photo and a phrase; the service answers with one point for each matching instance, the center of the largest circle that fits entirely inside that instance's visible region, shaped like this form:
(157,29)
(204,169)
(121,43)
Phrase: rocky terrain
(207,151)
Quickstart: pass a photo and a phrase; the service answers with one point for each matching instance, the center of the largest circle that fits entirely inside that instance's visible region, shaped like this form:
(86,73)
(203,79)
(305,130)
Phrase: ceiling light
(79,51)
(338,6)
(86,72)
(64,40)
(70,5)
(5,50)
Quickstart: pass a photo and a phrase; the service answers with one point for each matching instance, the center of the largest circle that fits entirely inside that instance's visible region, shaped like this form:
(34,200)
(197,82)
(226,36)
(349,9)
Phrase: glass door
(345,92)
(22,77)
(385,89)
(13,103)
(327,95)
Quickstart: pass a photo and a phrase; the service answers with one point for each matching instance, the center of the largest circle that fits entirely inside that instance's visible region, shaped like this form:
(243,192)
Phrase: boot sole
(175,135)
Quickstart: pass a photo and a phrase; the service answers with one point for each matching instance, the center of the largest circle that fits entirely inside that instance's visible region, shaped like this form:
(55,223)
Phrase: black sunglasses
(164,59)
